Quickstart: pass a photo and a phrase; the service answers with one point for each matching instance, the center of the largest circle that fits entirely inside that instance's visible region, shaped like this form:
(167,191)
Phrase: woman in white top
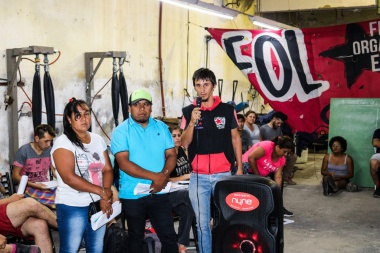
(84,175)
(251,127)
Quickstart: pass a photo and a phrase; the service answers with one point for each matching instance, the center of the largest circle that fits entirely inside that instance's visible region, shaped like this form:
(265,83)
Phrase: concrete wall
(75,27)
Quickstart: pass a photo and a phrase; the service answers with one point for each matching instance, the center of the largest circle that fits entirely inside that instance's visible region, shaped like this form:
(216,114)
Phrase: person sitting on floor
(33,159)
(337,167)
(375,162)
(180,200)
(25,217)
(16,247)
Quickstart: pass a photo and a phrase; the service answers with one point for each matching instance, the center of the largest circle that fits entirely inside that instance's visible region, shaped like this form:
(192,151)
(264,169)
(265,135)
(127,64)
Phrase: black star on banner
(354,64)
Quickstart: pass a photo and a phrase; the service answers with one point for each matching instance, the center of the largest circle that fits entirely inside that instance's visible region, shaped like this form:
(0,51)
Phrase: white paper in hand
(145,189)
(50,184)
(100,219)
(22,185)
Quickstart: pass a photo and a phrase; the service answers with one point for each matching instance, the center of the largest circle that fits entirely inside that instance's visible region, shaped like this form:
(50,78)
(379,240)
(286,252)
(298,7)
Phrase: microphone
(199,102)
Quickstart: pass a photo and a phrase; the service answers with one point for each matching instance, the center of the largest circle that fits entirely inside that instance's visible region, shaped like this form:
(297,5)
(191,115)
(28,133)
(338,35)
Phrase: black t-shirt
(183,166)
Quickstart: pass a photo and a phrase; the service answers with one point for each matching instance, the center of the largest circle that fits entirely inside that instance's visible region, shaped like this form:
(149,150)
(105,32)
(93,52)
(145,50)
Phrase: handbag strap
(76,161)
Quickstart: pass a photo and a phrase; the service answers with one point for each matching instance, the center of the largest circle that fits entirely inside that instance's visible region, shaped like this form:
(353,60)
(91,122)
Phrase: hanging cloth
(49,95)
(123,91)
(36,95)
(115,93)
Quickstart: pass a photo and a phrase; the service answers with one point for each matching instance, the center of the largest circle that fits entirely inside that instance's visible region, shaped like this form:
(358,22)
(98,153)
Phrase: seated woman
(267,158)
(180,199)
(337,167)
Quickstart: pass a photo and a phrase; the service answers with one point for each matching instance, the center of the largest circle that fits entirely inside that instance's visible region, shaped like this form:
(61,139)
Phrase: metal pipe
(160,59)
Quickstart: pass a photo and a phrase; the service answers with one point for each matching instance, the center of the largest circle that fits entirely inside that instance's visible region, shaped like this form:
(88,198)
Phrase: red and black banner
(298,71)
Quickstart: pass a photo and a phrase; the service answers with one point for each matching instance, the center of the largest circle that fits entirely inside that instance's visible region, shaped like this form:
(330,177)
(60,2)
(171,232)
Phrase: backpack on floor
(115,240)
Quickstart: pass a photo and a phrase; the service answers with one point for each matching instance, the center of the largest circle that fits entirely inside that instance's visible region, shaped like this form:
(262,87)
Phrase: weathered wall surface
(76,27)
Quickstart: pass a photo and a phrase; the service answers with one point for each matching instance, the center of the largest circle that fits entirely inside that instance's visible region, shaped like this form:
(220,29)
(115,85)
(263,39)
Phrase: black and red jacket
(211,149)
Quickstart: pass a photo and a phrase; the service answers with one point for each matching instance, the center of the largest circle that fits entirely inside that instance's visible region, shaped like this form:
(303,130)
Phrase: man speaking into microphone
(213,142)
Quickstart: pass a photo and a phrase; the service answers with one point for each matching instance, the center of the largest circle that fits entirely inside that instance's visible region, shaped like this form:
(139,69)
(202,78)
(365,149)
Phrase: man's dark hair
(280,115)
(342,141)
(204,74)
(240,116)
(42,129)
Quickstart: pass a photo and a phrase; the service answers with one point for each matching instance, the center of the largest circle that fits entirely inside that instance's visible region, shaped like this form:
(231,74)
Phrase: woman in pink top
(267,158)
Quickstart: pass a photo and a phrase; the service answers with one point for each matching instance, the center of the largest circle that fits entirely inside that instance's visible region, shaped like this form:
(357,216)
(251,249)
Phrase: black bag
(93,208)
(115,240)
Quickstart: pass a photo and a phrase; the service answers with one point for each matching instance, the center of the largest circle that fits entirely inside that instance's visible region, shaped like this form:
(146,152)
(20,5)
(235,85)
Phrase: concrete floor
(345,222)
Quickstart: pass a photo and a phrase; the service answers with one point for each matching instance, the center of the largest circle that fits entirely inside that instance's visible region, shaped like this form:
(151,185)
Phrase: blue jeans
(73,225)
(201,189)
(159,210)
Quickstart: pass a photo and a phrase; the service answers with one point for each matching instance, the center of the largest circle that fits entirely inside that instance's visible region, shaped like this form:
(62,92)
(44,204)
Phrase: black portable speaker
(248,216)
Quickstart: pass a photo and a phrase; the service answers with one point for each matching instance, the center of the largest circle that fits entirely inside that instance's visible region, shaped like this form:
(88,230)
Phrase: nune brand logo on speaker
(242,201)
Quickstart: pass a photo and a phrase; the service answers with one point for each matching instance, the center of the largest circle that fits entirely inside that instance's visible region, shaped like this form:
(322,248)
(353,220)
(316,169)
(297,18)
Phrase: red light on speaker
(241,235)
(254,236)
(242,201)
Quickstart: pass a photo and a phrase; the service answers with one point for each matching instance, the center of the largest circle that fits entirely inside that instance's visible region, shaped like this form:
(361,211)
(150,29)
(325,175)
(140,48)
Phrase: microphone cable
(199,210)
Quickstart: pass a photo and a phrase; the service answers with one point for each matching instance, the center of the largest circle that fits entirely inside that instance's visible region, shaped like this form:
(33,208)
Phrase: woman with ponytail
(84,175)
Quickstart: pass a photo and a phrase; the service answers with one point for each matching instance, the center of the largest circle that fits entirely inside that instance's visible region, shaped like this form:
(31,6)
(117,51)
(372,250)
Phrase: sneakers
(325,187)
(21,248)
(286,212)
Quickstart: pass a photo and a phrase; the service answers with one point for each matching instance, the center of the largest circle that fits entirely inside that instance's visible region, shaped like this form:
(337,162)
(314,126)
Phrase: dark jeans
(159,210)
(182,207)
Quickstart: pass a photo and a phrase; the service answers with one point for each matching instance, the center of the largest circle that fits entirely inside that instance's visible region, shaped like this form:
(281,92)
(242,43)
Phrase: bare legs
(34,219)
(374,165)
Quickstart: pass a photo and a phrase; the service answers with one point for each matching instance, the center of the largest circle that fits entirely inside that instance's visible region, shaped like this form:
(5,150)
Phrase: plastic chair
(7,183)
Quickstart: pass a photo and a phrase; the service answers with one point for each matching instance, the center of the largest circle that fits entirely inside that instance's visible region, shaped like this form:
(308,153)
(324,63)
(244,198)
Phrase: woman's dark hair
(70,108)
(284,142)
(204,74)
(240,116)
(172,128)
(342,141)
(249,112)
